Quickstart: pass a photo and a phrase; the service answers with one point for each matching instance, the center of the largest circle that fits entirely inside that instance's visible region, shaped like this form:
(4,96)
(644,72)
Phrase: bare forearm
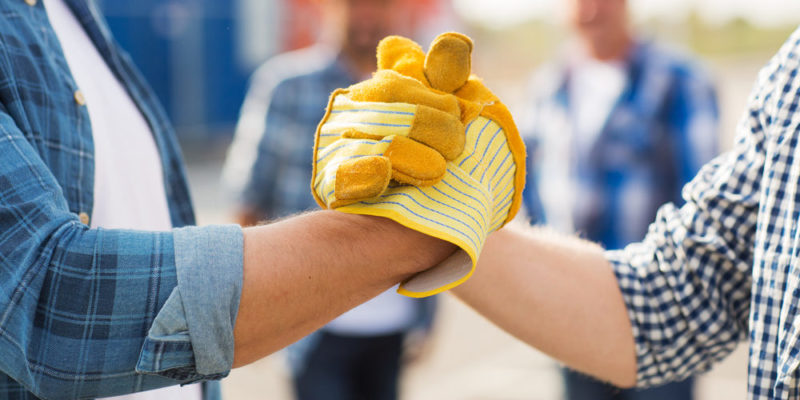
(558,294)
(304,271)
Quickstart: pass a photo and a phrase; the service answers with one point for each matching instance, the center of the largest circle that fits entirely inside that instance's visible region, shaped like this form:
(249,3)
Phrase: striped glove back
(427,145)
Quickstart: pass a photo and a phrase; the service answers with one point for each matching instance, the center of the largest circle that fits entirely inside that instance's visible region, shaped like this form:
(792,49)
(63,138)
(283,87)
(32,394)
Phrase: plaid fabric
(608,187)
(725,267)
(76,305)
(269,163)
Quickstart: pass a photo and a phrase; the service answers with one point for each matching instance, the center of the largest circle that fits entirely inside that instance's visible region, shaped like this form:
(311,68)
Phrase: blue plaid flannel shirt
(608,187)
(269,162)
(94,312)
(725,267)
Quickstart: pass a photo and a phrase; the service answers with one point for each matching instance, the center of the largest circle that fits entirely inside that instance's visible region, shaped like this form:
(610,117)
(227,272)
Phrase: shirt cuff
(209,263)
(648,299)
(192,335)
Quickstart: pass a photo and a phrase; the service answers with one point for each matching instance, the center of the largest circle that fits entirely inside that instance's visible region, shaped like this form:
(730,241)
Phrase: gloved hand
(423,143)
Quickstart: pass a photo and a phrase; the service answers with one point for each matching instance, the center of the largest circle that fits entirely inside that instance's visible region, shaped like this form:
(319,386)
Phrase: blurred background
(199,54)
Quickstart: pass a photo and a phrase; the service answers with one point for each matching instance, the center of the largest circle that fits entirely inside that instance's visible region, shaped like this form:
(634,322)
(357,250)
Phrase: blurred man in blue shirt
(358,355)
(617,126)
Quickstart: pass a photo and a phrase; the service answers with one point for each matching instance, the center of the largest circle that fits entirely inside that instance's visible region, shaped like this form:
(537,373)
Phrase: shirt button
(84,217)
(30,2)
(78,95)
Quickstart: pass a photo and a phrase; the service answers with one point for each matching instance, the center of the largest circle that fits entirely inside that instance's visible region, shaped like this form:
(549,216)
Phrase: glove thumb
(448,63)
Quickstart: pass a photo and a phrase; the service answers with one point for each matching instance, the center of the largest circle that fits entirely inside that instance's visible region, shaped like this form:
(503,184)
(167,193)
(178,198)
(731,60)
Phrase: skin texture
(366,22)
(559,295)
(304,271)
(602,26)
(556,293)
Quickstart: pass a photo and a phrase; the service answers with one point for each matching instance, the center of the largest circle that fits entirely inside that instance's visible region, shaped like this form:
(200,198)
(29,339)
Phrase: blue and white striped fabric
(473,199)
(725,267)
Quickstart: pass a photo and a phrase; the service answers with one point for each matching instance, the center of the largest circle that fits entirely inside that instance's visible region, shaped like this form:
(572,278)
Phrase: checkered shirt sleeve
(687,285)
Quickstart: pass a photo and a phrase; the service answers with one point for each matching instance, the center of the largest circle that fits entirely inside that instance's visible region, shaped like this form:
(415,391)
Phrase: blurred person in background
(616,127)
(358,355)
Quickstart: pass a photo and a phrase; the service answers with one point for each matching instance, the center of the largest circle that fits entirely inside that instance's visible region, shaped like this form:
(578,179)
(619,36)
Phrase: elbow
(623,374)
(624,381)
(628,375)
(611,375)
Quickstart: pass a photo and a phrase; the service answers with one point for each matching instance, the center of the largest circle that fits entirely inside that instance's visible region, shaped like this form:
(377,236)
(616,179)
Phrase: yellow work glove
(425,144)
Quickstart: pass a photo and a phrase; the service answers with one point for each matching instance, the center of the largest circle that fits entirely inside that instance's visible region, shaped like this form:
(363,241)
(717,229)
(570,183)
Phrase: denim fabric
(210,293)
(351,368)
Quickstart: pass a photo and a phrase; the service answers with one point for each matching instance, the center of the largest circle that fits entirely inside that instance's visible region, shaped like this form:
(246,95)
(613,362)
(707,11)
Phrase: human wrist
(410,251)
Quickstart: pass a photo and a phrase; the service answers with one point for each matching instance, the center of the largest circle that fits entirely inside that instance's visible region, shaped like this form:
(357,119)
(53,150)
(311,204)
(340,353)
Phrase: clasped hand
(425,143)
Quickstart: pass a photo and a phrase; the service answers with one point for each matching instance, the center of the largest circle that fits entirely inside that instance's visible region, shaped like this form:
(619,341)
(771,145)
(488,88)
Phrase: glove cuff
(455,210)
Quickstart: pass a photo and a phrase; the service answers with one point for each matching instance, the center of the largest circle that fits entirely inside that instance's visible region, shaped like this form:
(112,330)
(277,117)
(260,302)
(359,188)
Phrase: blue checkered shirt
(269,163)
(94,312)
(725,267)
(657,135)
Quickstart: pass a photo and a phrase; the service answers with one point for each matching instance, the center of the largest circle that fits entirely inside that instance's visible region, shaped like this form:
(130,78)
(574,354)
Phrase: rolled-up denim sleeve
(99,312)
(192,335)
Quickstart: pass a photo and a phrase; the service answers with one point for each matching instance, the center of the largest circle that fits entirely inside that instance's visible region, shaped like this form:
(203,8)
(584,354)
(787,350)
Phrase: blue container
(187,50)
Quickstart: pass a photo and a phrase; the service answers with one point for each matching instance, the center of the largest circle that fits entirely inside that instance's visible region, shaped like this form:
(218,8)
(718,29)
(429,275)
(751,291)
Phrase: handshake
(426,144)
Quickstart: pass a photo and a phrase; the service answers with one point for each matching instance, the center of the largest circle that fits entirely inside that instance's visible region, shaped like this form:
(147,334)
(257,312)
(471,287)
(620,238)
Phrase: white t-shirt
(594,88)
(129,184)
(386,314)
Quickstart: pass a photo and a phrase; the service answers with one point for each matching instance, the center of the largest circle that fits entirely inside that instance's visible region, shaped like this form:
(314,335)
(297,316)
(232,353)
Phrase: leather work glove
(427,145)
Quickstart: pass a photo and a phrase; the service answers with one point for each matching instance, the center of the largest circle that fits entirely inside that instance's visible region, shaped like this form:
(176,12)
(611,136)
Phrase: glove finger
(388,86)
(402,55)
(368,178)
(411,162)
(442,131)
(475,91)
(414,163)
(438,129)
(448,63)
(360,179)
(366,119)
